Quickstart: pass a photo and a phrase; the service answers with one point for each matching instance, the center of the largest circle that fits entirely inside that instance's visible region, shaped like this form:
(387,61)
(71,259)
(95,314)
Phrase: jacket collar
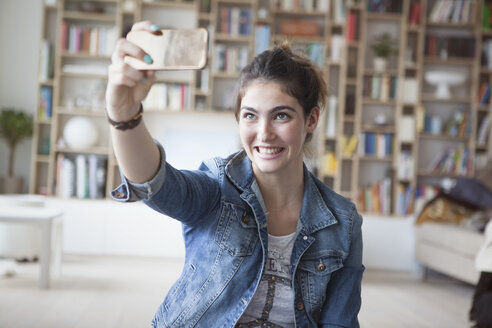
(315,214)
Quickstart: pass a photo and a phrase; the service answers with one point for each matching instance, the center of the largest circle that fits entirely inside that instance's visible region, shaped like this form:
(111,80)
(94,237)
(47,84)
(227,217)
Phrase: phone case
(180,49)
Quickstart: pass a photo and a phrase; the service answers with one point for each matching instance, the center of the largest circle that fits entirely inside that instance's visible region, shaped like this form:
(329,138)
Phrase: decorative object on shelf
(15,125)
(383,49)
(90,7)
(80,133)
(443,79)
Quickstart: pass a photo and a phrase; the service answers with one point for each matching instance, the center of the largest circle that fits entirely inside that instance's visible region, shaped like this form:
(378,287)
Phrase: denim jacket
(225,234)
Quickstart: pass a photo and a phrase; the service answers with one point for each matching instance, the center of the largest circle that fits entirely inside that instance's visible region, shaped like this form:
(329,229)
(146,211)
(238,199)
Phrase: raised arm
(137,154)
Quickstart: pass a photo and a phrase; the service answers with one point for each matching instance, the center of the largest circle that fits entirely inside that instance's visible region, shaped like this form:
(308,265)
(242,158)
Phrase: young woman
(267,244)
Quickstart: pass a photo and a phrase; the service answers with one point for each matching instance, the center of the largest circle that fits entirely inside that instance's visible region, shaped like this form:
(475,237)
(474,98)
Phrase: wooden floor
(117,292)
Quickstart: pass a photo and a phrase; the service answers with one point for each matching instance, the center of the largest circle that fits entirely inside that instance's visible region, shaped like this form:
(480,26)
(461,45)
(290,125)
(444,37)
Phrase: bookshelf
(381,131)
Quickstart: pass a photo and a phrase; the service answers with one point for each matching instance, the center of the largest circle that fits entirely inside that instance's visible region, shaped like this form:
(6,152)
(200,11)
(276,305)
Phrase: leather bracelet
(127,125)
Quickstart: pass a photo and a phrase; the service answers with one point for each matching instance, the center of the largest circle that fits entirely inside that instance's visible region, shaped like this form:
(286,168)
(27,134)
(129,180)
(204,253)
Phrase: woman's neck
(282,190)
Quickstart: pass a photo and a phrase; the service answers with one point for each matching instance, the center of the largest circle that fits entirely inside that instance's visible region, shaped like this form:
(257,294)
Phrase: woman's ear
(312,120)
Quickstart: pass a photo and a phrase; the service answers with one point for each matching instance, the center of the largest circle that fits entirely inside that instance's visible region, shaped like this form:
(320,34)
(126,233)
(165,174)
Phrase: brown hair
(297,75)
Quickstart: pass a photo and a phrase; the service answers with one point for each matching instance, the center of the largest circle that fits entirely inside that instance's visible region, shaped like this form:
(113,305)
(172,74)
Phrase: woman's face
(272,128)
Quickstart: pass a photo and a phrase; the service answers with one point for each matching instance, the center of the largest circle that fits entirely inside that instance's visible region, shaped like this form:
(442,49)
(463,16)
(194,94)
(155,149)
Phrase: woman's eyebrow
(274,109)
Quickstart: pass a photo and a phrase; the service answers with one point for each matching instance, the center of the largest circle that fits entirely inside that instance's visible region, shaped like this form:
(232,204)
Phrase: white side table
(49,220)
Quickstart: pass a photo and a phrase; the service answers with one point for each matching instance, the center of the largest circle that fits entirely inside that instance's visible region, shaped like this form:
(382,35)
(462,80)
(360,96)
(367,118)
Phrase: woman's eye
(281,116)
(248,116)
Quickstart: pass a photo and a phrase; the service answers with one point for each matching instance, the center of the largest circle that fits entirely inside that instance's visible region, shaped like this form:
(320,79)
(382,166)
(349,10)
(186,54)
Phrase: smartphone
(180,49)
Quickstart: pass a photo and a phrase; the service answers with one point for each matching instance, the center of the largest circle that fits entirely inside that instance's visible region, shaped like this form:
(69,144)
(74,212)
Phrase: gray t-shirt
(272,304)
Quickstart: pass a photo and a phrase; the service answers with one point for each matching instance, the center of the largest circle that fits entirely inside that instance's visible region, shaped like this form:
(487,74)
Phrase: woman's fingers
(124,74)
(147,26)
(126,48)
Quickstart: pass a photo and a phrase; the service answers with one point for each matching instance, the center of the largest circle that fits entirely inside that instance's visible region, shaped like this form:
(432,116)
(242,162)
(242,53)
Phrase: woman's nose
(266,131)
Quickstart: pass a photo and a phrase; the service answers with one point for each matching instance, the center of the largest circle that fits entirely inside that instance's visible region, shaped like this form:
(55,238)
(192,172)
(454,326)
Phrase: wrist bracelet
(127,125)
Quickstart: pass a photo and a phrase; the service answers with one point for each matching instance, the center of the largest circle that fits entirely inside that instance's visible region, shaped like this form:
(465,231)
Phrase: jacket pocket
(314,274)
(236,230)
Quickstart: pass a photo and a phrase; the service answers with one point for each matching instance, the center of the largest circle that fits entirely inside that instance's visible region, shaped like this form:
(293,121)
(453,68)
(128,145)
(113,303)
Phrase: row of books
(305,5)
(230,59)
(81,176)
(457,125)
(404,199)
(453,161)
(380,87)
(440,46)
(406,165)
(483,131)
(168,96)
(315,51)
(45,110)
(385,6)
(85,39)
(330,165)
(452,11)
(376,198)
(487,53)
(376,144)
(235,20)
(338,12)
(262,38)
(46,61)
(484,94)
(486,16)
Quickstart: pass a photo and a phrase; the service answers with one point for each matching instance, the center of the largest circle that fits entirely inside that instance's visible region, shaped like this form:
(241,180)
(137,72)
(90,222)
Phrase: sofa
(448,248)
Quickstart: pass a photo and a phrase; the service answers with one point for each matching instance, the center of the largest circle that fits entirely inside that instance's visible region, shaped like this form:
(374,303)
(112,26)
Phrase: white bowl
(443,79)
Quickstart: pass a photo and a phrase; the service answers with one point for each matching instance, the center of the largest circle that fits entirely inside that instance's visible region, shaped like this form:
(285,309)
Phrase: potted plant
(15,126)
(383,48)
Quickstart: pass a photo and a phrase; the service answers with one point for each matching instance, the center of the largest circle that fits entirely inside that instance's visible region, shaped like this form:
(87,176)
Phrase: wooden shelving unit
(346,71)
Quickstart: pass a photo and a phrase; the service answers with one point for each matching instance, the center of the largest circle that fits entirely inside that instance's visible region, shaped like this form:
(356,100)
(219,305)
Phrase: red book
(63,36)
(351,27)
(415,13)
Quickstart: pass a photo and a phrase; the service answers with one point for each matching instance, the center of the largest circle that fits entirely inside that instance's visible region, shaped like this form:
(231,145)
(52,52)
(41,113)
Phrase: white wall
(20,22)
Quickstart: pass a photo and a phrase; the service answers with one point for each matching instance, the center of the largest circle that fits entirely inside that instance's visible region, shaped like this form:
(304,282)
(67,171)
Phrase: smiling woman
(267,243)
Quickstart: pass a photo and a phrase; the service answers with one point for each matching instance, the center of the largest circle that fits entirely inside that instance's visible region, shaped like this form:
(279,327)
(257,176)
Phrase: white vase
(380,64)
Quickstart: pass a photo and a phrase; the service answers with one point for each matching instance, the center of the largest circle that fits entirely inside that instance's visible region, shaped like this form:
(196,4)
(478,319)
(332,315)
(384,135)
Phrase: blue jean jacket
(225,234)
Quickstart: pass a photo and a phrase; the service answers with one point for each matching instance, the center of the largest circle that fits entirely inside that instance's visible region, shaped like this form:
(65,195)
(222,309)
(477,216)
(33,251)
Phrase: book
(331,120)
(410,90)
(407,128)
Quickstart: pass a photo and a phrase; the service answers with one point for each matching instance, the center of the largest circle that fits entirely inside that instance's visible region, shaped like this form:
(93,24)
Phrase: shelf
(84,55)
(48,83)
(222,75)
(444,137)
(45,121)
(76,15)
(80,112)
(169,4)
(454,61)
(375,158)
(236,2)
(299,12)
(42,158)
(370,101)
(378,129)
(299,38)
(84,75)
(425,173)
(92,150)
(233,38)
(432,98)
(450,25)
(388,17)
(371,72)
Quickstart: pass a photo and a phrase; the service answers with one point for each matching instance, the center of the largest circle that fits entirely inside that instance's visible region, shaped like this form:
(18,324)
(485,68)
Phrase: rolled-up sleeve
(129,191)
